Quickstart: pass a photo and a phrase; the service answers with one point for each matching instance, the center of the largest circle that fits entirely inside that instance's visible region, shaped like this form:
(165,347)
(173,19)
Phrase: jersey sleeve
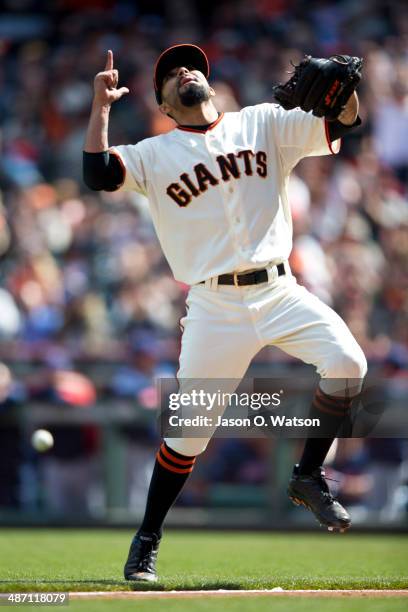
(132,160)
(299,134)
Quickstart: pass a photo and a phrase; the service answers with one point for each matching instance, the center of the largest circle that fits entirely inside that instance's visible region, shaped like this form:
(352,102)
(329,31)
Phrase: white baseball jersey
(218,198)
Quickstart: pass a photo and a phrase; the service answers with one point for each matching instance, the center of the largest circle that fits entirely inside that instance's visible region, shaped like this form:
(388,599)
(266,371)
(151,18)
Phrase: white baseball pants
(226,326)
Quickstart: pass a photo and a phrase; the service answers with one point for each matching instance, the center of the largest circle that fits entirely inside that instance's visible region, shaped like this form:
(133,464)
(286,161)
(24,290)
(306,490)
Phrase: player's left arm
(300,134)
(350,113)
(346,121)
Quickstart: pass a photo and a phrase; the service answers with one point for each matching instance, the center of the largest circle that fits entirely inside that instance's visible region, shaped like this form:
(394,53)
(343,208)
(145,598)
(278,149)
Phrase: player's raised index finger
(109,61)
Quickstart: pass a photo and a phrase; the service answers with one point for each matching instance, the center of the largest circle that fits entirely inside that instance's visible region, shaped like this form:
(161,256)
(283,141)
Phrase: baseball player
(216,186)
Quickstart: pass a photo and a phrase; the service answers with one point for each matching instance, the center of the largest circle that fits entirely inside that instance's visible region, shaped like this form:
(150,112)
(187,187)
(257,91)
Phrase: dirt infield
(238,593)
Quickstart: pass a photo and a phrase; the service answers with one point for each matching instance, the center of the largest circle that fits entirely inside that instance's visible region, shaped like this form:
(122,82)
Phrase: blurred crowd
(82,274)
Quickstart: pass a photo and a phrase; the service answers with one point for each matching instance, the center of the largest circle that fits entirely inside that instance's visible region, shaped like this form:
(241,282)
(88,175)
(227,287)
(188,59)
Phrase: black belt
(242,279)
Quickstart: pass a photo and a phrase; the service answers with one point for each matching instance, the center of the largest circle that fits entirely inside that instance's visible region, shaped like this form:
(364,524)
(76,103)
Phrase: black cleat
(141,561)
(312,492)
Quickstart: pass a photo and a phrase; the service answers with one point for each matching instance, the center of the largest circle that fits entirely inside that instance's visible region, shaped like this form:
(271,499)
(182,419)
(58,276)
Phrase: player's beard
(194,94)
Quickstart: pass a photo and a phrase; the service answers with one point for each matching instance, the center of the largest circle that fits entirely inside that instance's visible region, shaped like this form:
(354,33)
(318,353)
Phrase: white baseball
(42,440)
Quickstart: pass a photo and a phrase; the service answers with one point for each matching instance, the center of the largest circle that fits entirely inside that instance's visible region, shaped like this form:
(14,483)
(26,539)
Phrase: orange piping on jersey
(210,127)
(329,143)
(122,164)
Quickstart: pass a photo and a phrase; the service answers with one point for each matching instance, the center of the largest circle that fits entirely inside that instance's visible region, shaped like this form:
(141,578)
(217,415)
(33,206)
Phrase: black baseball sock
(314,454)
(170,472)
(332,412)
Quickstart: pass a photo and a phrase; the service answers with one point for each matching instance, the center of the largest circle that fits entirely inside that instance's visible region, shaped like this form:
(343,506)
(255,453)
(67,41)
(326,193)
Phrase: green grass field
(79,560)
(254,604)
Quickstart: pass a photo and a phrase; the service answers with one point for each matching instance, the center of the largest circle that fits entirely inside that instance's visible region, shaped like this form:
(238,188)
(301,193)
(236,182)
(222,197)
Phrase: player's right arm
(102,170)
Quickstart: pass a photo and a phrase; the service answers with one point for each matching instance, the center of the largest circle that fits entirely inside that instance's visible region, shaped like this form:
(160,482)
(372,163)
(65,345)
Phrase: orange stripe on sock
(329,410)
(166,453)
(169,467)
(332,400)
(334,407)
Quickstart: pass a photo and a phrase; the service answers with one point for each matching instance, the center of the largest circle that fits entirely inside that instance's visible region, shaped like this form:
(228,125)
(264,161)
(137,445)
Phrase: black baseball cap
(178,55)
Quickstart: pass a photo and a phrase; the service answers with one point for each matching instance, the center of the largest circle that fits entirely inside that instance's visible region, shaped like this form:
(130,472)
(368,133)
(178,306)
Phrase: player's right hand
(106,82)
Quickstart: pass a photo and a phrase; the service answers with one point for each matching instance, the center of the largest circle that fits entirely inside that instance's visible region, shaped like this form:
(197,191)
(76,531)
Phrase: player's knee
(356,365)
(190,447)
(349,365)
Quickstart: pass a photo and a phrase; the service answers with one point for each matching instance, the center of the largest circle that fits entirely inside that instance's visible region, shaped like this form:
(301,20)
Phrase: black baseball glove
(320,85)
